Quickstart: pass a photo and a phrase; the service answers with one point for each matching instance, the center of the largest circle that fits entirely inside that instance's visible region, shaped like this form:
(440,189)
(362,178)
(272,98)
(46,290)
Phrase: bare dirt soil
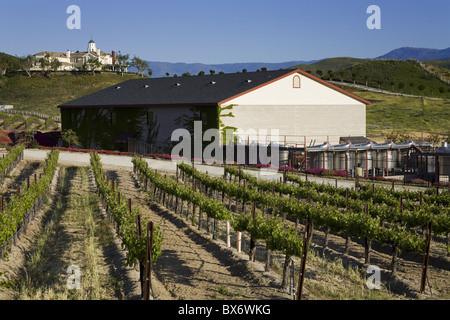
(192,266)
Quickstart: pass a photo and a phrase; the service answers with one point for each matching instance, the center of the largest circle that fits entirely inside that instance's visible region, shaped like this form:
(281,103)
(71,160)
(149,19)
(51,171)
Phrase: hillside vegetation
(325,65)
(404,115)
(406,77)
(43,94)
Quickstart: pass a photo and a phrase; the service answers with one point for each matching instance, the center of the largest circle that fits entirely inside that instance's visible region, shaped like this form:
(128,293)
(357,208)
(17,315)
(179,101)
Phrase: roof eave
(203,104)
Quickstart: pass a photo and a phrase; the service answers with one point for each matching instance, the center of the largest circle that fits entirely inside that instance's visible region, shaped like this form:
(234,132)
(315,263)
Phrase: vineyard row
(350,223)
(16,215)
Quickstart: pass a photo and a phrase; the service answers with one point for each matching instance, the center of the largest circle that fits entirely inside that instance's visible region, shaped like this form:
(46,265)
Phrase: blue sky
(229,31)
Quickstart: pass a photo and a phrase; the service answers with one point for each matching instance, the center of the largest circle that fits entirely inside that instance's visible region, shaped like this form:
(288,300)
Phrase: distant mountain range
(161,69)
(420,54)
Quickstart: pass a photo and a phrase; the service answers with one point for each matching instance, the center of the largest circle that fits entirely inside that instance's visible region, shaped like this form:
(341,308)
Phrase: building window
(149,118)
(296,82)
(72,117)
(113,117)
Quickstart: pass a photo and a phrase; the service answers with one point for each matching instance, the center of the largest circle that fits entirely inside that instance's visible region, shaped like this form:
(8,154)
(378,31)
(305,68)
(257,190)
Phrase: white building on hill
(77,60)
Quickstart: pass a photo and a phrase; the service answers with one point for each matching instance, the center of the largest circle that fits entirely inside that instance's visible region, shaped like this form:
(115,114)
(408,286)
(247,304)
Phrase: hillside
(405,115)
(406,77)
(43,94)
(325,65)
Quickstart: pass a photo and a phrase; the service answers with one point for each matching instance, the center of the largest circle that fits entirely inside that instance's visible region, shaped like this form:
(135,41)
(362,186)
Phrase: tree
(319,73)
(340,74)
(167,74)
(8,63)
(69,138)
(123,62)
(4,64)
(45,63)
(392,82)
(28,63)
(55,64)
(366,79)
(139,64)
(380,83)
(212,71)
(95,63)
(330,74)
(201,73)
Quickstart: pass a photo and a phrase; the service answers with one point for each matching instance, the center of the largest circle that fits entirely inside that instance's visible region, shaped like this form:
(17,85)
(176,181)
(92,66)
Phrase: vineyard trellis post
(252,252)
(148,264)
(301,279)
(426,258)
(141,266)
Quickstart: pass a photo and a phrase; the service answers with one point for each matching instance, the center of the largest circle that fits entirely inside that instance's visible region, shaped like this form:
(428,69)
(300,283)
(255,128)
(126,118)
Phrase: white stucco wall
(314,111)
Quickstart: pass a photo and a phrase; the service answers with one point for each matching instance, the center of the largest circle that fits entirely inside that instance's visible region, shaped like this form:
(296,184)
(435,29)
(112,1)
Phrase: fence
(32,114)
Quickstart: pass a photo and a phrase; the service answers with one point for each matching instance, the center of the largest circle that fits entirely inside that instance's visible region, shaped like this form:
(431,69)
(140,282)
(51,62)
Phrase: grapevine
(125,219)
(271,230)
(20,207)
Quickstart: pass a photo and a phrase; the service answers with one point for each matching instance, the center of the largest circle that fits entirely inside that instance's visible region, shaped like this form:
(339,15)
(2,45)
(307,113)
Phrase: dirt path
(192,266)
(69,231)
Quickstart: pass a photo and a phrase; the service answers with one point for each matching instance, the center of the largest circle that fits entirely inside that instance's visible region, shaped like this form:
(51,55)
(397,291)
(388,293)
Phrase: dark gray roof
(192,90)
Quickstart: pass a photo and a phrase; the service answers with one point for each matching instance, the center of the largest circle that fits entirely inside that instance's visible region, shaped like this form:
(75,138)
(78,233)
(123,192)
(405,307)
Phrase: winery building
(303,109)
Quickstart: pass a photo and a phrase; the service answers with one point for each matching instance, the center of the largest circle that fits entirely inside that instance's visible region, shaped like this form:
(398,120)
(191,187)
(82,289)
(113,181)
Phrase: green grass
(43,94)
(443,64)
(390,113)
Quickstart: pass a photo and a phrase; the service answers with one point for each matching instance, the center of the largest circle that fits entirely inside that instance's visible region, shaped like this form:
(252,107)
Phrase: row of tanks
(376,159)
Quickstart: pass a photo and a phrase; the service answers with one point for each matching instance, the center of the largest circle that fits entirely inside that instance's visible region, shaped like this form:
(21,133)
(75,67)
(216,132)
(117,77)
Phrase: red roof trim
(306,74)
